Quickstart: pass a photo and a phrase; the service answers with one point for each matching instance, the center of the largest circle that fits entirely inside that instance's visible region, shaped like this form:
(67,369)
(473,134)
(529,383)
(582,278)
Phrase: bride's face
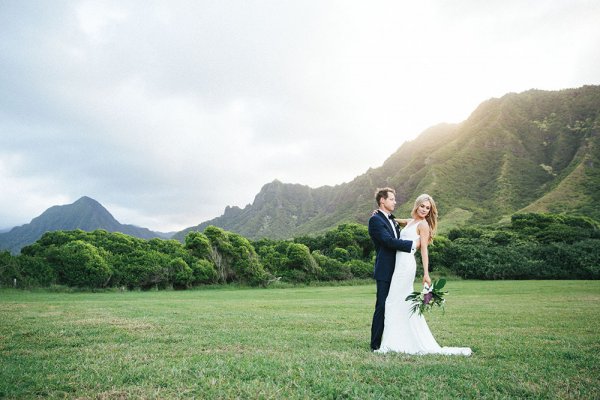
(423,209)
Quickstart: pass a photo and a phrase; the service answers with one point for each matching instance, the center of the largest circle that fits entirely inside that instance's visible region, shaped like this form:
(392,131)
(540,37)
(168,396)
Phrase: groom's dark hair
(383,193)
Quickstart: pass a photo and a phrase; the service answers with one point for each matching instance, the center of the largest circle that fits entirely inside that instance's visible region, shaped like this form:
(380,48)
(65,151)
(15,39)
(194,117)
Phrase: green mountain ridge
(536,151)
(85,214)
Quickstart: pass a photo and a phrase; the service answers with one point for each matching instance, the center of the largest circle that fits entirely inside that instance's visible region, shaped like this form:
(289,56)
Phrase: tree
(9,269)
(360,268)
(80,264)
(198,244)
(203,272)
(35,271)
(332,269)
(181,273)
(146,269)
(233,256)
(244,260)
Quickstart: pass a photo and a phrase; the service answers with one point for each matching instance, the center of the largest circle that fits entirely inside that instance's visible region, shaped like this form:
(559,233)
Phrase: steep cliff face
(536,151)
(532,151)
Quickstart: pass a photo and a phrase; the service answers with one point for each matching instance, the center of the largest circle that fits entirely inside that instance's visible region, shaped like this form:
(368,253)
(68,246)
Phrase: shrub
(234,257)
(244,260)
(437,254)
(181,273)
(198,244)
(465,233)
(81,264)
(9,269)
(360,268)
(145,269)
(299,265)
(36,271)
(332,269)
(203,271)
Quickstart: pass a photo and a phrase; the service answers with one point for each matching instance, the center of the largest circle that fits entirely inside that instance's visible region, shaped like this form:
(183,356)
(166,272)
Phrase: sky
(166,112)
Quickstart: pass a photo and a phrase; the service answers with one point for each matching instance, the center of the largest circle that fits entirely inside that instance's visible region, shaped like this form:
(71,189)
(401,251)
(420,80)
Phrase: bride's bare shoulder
(422,226)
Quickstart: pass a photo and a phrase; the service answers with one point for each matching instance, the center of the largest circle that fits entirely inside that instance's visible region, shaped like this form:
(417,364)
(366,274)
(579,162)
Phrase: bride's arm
(423,231)
(402,222)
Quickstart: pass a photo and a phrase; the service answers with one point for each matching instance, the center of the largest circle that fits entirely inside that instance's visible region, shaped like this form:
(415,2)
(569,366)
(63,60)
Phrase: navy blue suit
(386,246)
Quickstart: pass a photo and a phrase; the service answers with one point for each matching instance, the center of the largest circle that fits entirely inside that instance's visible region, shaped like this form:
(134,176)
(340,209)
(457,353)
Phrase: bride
(403,332)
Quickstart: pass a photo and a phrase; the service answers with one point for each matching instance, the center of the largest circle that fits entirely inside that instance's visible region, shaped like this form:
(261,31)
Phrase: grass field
(531,339)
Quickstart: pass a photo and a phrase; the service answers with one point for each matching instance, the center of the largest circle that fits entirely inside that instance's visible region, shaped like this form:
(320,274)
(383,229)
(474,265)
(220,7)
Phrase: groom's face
(389,204)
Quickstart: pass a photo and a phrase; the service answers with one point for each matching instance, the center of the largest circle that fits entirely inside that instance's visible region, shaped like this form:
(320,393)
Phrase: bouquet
(429,297)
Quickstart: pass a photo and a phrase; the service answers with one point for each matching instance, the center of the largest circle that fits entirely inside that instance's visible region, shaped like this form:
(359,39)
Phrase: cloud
(166,112)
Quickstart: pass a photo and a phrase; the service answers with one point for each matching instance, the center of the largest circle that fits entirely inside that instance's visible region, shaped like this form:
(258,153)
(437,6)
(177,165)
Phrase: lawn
(531,339)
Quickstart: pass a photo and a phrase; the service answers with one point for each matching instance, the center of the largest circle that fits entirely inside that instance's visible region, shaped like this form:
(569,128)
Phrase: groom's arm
(383,236)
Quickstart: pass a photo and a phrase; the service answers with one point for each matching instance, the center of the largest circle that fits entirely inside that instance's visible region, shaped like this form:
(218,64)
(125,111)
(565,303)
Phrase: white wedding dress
(403,332)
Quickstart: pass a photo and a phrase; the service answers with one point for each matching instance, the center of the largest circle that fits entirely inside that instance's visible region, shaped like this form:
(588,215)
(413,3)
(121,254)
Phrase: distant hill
(536,151)
(85,214)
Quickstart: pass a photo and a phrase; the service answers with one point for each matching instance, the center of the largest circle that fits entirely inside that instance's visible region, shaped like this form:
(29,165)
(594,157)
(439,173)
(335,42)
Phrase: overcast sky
(168,111)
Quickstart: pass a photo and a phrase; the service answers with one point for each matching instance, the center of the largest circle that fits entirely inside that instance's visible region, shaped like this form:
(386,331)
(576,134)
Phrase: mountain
(85,214)
(536,151)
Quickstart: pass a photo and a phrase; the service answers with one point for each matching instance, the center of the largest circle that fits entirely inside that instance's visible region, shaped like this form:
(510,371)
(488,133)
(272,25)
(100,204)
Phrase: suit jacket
(386,246)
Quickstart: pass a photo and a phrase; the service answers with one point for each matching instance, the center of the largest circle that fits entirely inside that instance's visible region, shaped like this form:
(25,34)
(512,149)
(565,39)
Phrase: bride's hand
(426,280)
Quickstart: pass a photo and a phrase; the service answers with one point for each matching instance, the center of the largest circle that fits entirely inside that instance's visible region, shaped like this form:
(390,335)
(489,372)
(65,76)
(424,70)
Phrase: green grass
(531,339)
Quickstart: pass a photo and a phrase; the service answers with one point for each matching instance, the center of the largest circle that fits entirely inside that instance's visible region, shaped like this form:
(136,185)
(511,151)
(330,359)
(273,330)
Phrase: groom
(385,233)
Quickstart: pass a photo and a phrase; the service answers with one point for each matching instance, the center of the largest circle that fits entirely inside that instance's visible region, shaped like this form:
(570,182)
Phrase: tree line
(532,246)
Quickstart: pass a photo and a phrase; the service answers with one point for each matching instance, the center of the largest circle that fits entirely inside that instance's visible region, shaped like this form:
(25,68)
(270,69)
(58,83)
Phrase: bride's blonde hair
(431,218)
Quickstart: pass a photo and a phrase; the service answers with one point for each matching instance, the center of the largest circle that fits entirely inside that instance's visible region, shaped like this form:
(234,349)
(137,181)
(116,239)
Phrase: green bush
(332,269)
(204,272)
(80,264)
(481,260)
(146,270)
(360,268)
(354,238)
(36,272)
(198,244)
(533,246)
(181,275)
(465,233)
(299,264)
(234,257)
(580,260)
(9,269)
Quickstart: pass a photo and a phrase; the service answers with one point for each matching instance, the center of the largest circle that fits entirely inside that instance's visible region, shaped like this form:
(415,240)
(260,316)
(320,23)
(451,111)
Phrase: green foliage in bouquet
(428,298)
